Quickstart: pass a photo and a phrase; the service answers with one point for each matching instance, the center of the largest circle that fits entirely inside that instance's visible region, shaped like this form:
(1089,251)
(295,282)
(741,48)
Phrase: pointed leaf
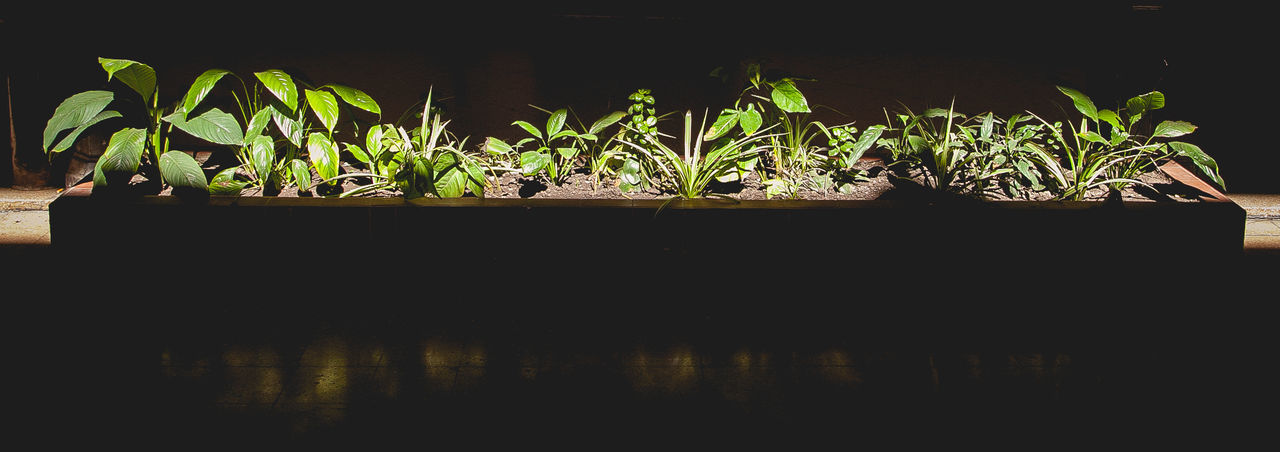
(257,124)
(606,121)
(323,154)
(1206,163)
(225,183)
(495,146)
(201,88)
(451,180)
(787,97)
(70,139)
(556,121)
(288,127)
(1082,102)
(262,157)
(358,153)
(124,151)
(988,124)
(750,120)
(1110,117)
(531,162)
(529,128)
(567,153)
(180,170)
(1170,129)
(215,126)
(865,141)
(140,77)
(301,174)
(75,111)
(355,98)
(281,85)
(325,107)
(724,123)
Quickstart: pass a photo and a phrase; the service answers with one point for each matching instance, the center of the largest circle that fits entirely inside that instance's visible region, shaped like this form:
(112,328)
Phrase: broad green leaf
(988,124)
(215,126)
(373,140)
(495,146)
(630,173)
(257,124)
(724,123)
(750,120)
(140,77)
(556,121)
(450,179)
(1206,163)
(531,162)
(476,184)
(529,128)
(225,183)
(201,88)
(1082,102)
(1170,129)
(1140,105)
(1110,117)
(587,136)
(75,111)
(358,153)
(1093,137)
(180,170)
(567,153)
(288,127)
(865,141)
(262,157)
(606,121)
(70,139)
(124,151)
(787,97)
(301,174)
(281,85)
(356,98)
(325,107)
(323,154)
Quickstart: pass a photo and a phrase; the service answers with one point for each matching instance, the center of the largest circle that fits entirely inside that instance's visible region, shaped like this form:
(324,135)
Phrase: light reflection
(836,367)
(449,365)
(673,372)
(252,376)
(328,382)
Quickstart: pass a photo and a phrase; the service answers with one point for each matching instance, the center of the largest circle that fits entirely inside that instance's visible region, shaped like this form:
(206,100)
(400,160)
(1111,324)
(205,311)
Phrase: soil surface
(881,183)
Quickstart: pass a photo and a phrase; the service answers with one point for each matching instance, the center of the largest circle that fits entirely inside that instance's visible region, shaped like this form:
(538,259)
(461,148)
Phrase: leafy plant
(427,160)
(845,150)
(1142,153)
(558,147)
(140,150)
(930,142)
(689,173)
(775,102)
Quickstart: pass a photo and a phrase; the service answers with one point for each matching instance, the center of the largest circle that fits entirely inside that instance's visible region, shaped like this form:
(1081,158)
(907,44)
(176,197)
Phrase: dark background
(489,62)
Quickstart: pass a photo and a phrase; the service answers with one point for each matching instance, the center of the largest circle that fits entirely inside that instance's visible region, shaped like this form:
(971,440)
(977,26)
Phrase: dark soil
(880,184)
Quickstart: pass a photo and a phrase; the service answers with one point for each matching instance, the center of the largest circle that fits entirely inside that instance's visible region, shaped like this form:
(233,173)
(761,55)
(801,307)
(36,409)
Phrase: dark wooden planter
(889,262)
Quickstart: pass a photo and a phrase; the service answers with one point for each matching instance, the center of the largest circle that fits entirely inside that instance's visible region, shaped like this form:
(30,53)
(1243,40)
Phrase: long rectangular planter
(557,229)
(894,270)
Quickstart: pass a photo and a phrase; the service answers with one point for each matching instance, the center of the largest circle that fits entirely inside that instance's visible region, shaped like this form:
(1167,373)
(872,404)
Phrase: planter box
(765,260)
(480,230)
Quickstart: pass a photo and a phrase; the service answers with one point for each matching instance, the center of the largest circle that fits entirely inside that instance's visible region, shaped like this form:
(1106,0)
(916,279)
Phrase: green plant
(427,160)
(140,150)
(558,147)
(1142,152)
(845,150)
(690,172)
(775,102)
(930,142)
